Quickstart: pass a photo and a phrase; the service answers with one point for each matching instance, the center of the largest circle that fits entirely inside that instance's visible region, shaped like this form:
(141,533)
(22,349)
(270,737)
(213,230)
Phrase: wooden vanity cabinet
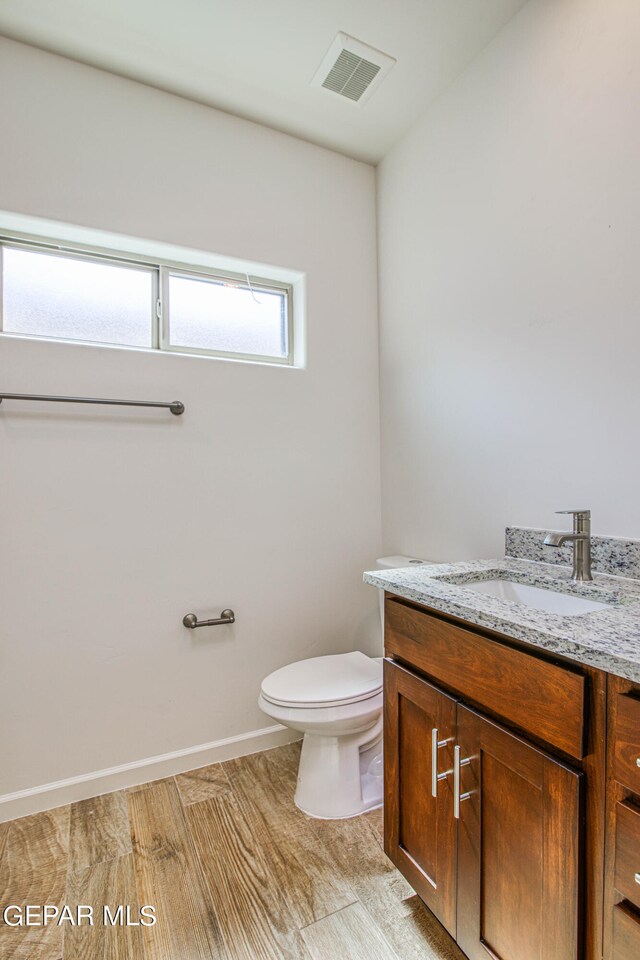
(420,833)
(622,895)
(519,848)
(511,875)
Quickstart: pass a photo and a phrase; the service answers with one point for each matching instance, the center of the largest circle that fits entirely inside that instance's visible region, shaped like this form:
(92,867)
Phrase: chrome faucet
(581,539)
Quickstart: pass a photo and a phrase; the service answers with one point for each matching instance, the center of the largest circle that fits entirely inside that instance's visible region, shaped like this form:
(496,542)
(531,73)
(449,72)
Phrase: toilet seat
(320,682)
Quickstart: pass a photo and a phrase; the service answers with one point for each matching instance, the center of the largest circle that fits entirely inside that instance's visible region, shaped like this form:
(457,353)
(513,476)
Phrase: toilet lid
(324,681)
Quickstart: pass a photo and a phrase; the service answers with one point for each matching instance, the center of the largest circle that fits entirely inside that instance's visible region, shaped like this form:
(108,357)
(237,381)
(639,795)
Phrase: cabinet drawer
(626,934)
(627,869)
(626,755)
(539,697)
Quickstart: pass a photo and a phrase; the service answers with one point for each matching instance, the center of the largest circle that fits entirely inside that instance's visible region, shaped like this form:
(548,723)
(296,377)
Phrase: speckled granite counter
(607,639)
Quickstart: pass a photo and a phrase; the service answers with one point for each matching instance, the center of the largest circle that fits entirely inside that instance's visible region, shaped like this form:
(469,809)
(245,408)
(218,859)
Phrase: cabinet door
(419,829)
(519,847)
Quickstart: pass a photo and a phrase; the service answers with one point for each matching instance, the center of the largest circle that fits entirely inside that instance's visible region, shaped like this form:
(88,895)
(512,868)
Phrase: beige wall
(509,290)
(263,497)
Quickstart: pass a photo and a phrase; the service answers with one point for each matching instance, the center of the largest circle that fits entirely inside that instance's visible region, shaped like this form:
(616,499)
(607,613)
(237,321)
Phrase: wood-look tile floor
(233,868)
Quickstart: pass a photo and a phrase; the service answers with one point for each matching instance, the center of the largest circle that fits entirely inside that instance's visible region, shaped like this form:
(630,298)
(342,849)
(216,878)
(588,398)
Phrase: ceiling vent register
(352,69)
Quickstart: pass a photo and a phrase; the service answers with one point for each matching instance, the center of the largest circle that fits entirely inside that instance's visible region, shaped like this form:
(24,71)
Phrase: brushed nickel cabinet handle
(435,776)
(457,796)
(637,878)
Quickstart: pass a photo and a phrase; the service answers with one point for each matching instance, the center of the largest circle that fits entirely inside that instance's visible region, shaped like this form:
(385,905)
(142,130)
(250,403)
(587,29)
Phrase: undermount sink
(546,600)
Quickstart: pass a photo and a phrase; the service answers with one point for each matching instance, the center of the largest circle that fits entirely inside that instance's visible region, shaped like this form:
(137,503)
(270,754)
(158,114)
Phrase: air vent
(352,69)
(350,75)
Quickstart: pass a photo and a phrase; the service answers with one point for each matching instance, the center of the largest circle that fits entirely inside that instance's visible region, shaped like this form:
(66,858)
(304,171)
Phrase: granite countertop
(607,639)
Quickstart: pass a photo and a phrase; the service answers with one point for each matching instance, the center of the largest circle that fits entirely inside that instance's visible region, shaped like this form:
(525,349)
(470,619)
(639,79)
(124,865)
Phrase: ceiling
(256,58)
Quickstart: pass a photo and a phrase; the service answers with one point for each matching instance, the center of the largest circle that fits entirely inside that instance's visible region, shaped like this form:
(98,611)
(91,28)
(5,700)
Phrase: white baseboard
(50,795)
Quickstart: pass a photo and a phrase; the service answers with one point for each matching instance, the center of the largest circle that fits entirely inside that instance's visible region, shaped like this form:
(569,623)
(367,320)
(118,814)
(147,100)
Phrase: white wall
(263,497)
(510,289)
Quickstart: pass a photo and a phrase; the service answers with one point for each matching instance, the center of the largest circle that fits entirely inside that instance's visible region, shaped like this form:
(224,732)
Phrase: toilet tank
(386,563)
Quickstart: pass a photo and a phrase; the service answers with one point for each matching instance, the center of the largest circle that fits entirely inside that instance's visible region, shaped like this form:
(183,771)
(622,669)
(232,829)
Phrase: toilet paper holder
(191,621)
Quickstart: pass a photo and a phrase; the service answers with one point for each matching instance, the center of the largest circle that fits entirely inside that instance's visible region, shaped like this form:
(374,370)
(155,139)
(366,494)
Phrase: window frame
(256,284)
(86,257)
(160,308)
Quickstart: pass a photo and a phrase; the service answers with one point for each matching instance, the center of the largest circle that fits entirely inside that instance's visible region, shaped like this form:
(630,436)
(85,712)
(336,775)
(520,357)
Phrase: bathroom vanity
(512,759)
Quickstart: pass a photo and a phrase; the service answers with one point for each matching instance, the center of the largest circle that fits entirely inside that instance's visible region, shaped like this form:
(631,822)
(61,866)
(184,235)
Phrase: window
(220,316)
(62,294)
(48,295)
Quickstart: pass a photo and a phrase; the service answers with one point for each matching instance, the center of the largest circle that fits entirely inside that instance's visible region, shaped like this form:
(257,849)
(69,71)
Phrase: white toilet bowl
(336,702)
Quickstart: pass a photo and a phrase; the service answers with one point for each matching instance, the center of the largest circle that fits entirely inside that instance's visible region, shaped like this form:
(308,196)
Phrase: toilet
(336,702)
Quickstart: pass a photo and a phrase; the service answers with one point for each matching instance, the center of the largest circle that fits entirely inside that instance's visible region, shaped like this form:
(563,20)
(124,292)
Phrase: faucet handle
(581,520)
